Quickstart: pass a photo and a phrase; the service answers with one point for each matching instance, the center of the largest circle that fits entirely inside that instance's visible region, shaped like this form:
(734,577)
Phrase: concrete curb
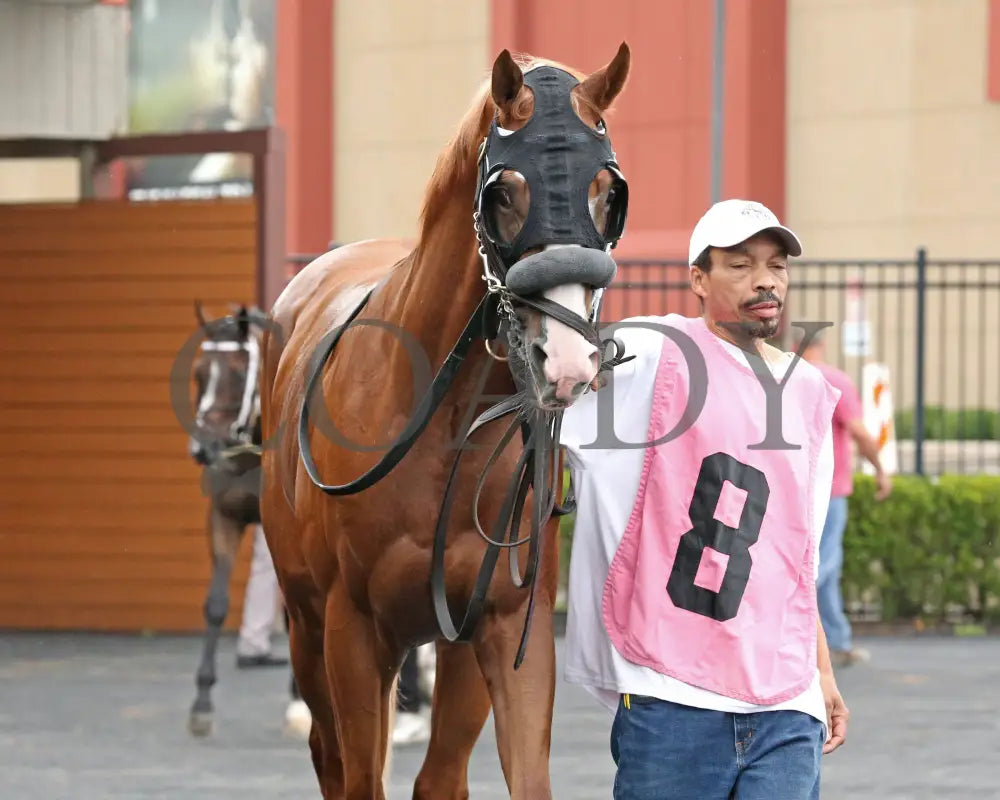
(917,628)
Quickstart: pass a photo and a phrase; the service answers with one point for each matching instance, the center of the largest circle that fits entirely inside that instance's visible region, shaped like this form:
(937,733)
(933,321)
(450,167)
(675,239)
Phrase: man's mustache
(763,297)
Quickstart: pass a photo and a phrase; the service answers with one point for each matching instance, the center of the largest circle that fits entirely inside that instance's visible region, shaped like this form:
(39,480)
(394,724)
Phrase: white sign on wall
(857,338)
(856,332)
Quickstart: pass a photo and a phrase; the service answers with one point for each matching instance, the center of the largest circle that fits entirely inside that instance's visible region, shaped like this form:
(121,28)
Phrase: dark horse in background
(226,442)
(519,218)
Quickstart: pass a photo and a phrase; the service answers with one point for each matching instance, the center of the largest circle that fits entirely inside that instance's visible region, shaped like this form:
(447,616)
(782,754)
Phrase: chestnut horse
(365,570)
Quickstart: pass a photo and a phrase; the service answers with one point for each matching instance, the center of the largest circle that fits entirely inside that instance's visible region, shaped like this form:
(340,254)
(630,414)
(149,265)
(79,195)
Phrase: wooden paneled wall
(102,518)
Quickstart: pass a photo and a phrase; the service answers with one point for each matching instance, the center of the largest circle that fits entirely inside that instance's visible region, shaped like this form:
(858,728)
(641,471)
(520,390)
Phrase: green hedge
(930,551)
(940,423)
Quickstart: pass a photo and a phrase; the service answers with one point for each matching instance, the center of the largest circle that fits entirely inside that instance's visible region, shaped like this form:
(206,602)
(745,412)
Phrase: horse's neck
(443,285)
(435,295)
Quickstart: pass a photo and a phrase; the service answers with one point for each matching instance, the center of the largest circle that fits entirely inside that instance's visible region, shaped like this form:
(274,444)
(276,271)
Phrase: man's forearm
(869,449)
(867,445)
(823,662)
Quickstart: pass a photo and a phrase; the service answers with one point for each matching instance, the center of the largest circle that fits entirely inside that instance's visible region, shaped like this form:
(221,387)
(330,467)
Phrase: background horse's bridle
(239,440)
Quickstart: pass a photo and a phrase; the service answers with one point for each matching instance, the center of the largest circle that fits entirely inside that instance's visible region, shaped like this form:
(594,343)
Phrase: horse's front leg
(298,717)
(460,707)
(361,674)
(224,535)
(522,699)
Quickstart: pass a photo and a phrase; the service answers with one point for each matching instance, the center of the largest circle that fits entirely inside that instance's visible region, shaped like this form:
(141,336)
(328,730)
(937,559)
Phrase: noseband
(553,150)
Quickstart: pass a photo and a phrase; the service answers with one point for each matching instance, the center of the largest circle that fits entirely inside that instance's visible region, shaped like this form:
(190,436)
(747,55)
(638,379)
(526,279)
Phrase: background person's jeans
(831,559)
(260,603)
(408,689)
(666,751)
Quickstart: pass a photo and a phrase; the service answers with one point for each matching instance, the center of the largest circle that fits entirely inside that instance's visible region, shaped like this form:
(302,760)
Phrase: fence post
(718,101)
(918,411)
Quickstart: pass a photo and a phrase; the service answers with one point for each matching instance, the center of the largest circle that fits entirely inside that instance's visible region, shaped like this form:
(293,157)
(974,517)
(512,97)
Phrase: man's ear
(698,278)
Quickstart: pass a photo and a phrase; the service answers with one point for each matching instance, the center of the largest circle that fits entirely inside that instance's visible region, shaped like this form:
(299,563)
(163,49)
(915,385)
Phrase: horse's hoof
(200,723)
(298,720)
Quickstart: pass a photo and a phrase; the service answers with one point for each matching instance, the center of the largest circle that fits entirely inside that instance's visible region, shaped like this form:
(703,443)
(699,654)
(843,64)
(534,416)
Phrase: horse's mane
(456,165)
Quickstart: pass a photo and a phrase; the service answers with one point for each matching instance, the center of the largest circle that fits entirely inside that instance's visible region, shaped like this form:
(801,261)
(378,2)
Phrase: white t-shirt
(605,482)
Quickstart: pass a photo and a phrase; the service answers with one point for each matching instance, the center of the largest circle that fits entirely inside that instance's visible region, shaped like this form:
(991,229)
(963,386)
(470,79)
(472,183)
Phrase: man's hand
(869,449)
(837,713)
(884,485)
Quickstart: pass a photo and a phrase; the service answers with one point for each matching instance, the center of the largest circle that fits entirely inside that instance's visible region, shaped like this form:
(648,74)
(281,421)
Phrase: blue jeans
(831,559)
(666,751)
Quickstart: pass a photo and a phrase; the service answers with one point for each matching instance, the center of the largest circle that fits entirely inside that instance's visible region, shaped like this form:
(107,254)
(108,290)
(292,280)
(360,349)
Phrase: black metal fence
(933,324)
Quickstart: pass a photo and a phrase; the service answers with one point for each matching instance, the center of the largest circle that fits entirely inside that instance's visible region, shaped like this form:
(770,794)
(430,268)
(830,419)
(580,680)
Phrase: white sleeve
(821,491)
(579,425)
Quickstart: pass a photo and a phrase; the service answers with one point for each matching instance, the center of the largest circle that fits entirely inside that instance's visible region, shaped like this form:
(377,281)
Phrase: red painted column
(993,53)
(754,112)
(511,26)
(304,109)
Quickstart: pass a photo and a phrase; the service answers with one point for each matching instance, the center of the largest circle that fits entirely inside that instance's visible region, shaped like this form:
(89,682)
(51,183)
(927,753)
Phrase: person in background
(260,605)
(848,425)
(412,726)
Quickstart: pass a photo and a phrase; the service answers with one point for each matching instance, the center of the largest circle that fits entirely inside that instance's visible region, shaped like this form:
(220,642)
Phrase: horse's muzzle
(198,452)
(558,386)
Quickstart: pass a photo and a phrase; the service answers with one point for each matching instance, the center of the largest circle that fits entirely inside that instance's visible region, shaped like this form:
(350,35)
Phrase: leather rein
(537,467)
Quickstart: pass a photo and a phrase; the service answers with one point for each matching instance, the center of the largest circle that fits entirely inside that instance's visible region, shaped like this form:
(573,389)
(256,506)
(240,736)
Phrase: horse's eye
(503,198)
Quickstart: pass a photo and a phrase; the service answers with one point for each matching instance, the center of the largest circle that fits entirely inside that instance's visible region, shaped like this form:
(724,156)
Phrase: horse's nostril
(538,354)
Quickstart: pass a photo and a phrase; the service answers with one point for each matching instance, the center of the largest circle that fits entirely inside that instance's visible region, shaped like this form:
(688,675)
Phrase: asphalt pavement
(103,718)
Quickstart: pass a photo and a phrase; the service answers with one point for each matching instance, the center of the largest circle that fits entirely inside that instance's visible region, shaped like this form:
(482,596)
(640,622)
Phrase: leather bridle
(239,438)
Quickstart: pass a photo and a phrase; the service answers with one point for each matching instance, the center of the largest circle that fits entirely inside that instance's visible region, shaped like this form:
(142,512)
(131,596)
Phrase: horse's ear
(257,316)
(506,82)
(243,321)
(602,87)
(199,314)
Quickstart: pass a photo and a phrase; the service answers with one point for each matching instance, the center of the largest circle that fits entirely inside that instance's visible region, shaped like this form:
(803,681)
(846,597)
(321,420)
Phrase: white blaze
(208,398)
(569,358)
(205,404)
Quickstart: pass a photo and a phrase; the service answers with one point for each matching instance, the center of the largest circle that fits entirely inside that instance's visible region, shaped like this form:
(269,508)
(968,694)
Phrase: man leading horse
(703,471)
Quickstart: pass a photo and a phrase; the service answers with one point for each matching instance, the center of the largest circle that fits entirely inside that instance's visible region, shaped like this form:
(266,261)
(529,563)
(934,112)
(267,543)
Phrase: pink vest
(712,583)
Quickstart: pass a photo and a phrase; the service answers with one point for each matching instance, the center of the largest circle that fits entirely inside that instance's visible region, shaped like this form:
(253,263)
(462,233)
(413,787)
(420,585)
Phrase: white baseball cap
(730,222)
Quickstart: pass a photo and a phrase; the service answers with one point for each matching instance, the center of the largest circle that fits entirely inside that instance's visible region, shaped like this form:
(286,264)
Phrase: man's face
(746,285)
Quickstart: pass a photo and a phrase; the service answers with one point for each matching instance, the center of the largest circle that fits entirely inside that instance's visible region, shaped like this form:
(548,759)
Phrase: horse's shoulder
(321,297)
